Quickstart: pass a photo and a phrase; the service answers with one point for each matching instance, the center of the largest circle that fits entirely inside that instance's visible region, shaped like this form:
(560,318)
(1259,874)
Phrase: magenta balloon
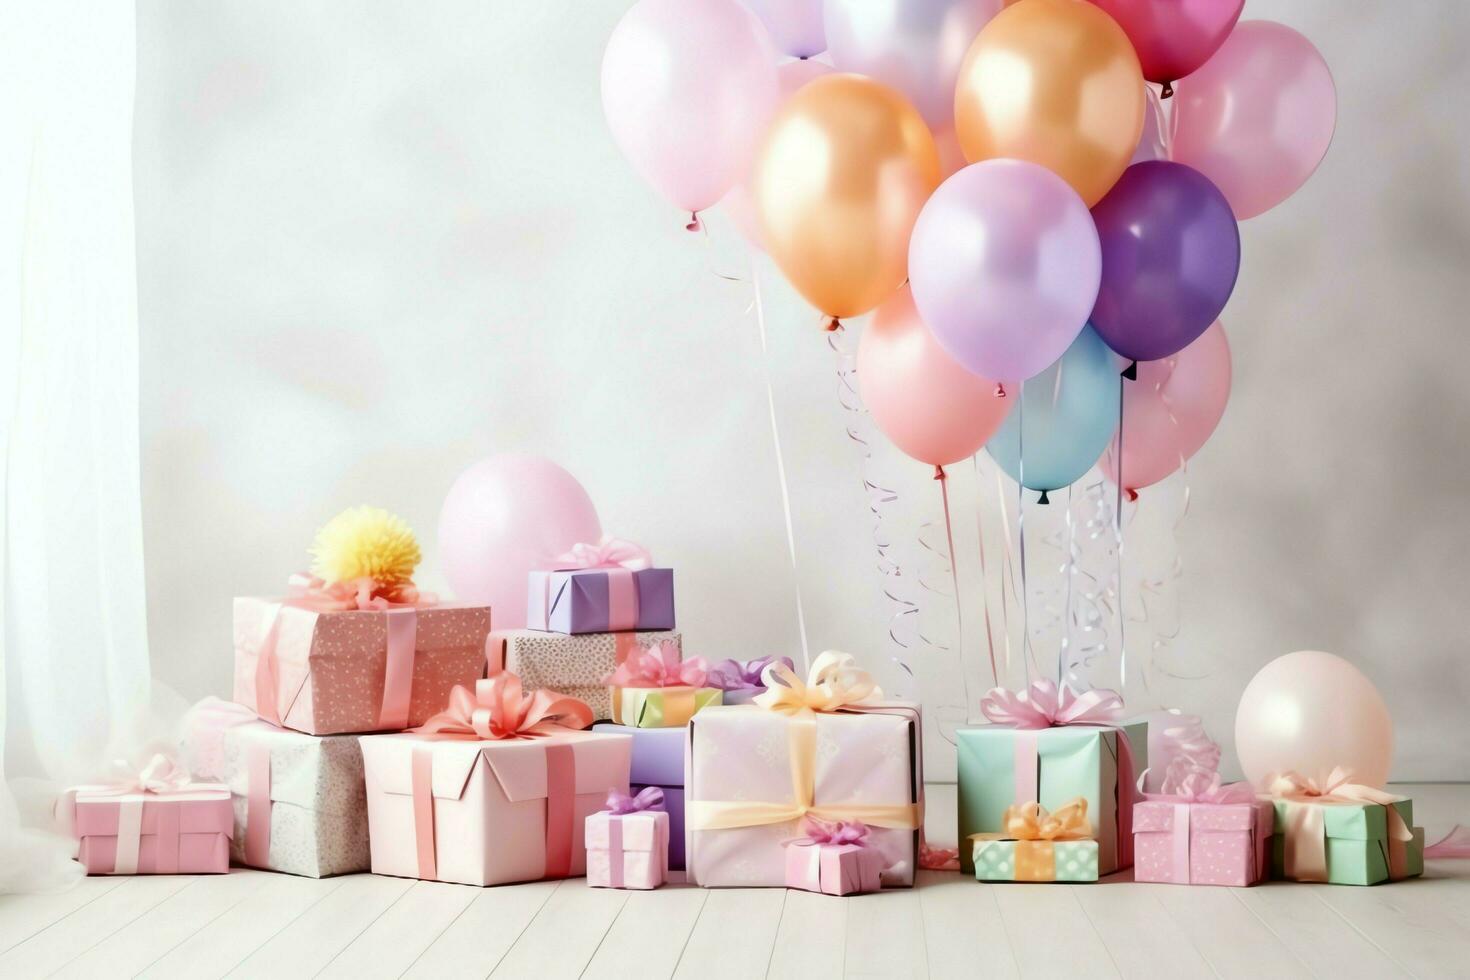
(1173,37)
(1004,264)
(1170,410)
(1258,118)
(688,87)
(503,517)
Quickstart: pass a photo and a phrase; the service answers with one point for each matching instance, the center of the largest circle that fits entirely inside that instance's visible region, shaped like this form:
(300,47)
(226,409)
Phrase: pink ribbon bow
(498,708)
(1189,783)
(659,666)
(364,593)
(609,552)
(1043,706)
(1305,843)
(647,798)
(161,774)
(840,832)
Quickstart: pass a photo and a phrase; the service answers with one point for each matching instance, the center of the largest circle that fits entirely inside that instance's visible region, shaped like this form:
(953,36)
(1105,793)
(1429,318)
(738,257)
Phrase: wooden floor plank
(885,936)
(475,942)
(22,916)
(226,942)
(811,940)
(1050,935)
(403,932)
(72,935)
(1128,919)
(649,934)
(1327,943)
(1232,939)
(964,935)
(710,955)
(309,943)
(564,935)
(1420,923)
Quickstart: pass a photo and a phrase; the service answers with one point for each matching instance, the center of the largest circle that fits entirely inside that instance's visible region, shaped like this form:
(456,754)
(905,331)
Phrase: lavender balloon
(1004,266)
(1170,255)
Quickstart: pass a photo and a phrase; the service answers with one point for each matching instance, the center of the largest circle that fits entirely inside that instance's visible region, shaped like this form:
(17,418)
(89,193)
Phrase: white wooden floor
(254,924)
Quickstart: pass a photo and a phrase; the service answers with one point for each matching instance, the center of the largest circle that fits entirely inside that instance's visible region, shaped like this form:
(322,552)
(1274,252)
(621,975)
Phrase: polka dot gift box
(1038,846)
(1202,835)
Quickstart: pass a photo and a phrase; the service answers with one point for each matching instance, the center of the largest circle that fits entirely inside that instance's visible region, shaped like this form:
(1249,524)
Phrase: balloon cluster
(1005,184)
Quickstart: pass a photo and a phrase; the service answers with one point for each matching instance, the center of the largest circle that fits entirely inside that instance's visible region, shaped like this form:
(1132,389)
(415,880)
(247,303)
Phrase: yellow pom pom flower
(365,542)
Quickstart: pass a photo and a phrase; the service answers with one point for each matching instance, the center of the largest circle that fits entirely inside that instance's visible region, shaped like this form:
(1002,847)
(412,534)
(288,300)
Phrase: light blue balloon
(1067,415)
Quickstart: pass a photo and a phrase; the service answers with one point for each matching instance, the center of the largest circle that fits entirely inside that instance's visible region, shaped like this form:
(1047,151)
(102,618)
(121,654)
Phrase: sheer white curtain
(73,634)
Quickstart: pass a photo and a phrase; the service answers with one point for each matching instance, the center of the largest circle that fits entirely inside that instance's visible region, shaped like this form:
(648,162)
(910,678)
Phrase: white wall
(380,240)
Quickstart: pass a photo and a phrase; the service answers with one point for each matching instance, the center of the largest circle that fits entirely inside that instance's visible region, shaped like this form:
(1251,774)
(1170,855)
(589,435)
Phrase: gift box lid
(518,765)
(203,809)
(658,753)
(1350,821)
(1157,816)
(642,831)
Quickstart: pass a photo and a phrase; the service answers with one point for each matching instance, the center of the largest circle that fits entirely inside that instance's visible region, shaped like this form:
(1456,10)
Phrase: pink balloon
(1173,37)
(1258,117)
(688,87)
(1004,263)
(503,517)
(1171,410)
(1310,712)
(930,407)
(739,205)
(795,25)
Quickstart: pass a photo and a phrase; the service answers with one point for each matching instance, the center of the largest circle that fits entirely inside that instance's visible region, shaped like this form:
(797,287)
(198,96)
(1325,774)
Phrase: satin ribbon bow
(835,832)
(1186,782)
(733,675)
(161,774)
(1030,821)
(499,709)
(609,552)
(658,666)
(834,681)
(1044,706)
(309,592)
(647,798)
(1305,845)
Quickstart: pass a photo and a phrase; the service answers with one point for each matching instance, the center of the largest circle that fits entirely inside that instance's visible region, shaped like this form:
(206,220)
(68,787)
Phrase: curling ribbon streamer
(1455,844)
(1304,855)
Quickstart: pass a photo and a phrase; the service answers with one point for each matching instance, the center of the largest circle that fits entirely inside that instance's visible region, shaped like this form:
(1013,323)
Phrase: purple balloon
(1170,255)
(1004,267)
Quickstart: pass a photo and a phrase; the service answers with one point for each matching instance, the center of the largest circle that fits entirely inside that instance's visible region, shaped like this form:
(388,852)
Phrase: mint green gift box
(1072,860)
(1071,761)
(1357,841)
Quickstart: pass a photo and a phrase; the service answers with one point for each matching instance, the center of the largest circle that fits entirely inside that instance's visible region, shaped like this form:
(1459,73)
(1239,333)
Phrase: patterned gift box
(1342,832)
(658,761)
(1188,842)
(330,671)
(574,665)
(156,821)
(628,844)
(600,600)
(1038,846)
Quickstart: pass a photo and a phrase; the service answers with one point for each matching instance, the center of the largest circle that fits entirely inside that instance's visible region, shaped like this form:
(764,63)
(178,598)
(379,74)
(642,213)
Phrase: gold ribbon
(1304,851)
(1035,832)
(835,681)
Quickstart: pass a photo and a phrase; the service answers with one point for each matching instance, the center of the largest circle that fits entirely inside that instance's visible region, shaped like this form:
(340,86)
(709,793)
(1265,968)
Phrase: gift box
(660,707)
(159,822)
(824,749)
(607,587)
(1343,833)
(1000,765)
(575,665)
(628,844)
(1217,835)
(741,681)
(331,670)
(658,761)
(495,789)
(1038,846)
(298,801)
(834,859)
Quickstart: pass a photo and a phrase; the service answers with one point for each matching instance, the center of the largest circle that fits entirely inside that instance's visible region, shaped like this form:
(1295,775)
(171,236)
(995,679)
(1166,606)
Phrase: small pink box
(628,850)
(184,832)
(487,812)
(1201,843)
(833,869)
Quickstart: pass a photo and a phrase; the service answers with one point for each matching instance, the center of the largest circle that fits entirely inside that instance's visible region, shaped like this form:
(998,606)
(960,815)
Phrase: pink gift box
(628,850)
(1201,843)
(182,832)
(487,812)
(357,670)
(833,869)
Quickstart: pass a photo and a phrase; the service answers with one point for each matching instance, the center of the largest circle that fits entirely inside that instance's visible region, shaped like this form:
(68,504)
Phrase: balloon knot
(1130,373)
(1132,495)
(1044,499)
(694,223)
(1167,91)
(833,325)
(1000,390)
(939,473)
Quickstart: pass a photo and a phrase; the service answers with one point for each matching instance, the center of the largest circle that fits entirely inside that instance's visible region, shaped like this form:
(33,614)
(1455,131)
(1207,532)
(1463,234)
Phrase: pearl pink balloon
(1171,410)
(688,87)
(1258,117)
(503,517)
(1173,37)
(932,409)
(795,25)
(1310,712)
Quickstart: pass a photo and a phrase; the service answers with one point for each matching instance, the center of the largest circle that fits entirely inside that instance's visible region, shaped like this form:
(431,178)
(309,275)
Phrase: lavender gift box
(658,760)
(600,600)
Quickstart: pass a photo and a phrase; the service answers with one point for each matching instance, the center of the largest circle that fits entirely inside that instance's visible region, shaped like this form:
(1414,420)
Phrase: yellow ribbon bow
(1034,832)
(834,681)
(1304,854)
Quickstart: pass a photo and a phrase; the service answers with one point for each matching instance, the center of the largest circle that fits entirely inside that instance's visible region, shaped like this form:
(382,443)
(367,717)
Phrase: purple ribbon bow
(732,675)
(841,832)
(647,798)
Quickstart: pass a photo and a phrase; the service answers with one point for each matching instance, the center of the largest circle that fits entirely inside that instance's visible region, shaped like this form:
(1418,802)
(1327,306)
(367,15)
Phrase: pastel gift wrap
(599,588)
(157,821)
(740,681)
(1038,846)
(628,844)
(305,664)
(574,665)
(495,789)
(656,688)
(1000,765)
(823,748)
(834,859)
(1341,832)
(298,800)
(658,761)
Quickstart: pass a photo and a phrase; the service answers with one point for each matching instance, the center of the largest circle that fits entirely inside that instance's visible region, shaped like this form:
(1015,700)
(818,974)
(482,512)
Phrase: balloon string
(954,578)
(1118,543)
(1071,570)
(760,319)
(984,575)
(1026,652)
(1006,570)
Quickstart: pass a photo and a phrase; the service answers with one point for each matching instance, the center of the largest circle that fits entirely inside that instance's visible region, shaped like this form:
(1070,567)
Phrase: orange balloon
(1054,82)
(839,182)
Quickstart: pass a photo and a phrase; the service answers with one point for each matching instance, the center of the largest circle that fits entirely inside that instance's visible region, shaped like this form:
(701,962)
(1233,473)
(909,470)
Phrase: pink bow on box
(161,775)
(364,593)
(609,552)
(658,666)
(1305,850)
(1186,782)
(840,832)
(1043,706)
(647,798)
(498,708)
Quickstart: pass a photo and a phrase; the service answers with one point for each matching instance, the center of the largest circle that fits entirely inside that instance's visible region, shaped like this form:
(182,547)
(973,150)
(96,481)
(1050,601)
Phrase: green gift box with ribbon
(1344,841)
(660,707)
